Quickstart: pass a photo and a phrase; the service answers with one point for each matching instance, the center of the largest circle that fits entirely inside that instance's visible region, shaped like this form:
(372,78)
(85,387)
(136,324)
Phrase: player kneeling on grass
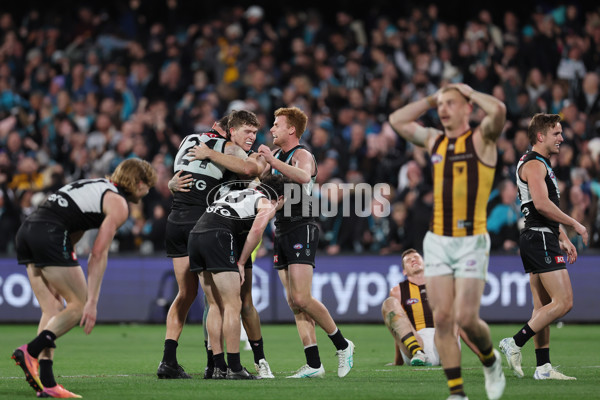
(407,315)
(45,243)
(219,247)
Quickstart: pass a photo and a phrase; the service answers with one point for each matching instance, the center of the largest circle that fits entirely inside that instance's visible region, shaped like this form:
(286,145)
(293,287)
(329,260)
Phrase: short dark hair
(273,186)
(242,117)
(407,252)
(541,123)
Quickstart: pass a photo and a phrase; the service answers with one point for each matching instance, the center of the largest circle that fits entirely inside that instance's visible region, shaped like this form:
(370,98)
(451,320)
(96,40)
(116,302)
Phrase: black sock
(210,363)
(338,340)
(257,349)
(233,360)
(455,381)
(523,335)
(219,360)
(170,352)
(46,374)
(44,340)
(312,356)
(542,356)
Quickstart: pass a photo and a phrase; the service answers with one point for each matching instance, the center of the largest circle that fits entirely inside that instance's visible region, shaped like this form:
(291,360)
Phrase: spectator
(504,218)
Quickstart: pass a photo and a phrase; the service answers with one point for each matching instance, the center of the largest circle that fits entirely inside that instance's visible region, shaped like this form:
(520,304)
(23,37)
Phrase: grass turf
(120,361)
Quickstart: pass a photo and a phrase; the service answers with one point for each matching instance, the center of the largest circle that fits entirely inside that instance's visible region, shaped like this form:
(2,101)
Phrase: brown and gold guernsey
(414,302)
(461,187)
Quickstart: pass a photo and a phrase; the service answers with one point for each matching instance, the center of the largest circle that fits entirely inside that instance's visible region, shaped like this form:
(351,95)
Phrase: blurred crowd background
(84,86)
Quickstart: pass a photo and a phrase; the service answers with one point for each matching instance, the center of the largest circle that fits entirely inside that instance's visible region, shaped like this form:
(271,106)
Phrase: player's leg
(300,282)
(558,286)
(227,284)
(50,305)
(467,303)
(187,284)
(214,324)
(405,336)
(251,321)
(66,283)
(306,330)
(543,298)
(53,305)
(440,293)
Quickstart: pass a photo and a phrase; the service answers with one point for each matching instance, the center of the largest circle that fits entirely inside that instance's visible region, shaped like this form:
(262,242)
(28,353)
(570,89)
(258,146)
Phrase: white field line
(399,368)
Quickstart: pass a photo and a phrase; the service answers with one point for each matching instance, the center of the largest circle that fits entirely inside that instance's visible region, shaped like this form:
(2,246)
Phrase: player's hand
(242,270)
(569,248)
(199,152)
(88,318)
(464,89)
(580,229)
(180,183)
(265,151)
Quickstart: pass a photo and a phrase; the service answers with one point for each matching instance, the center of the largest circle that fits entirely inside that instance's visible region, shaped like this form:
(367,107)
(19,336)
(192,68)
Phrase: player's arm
(495,111)
(398,360)
(534,173)
(233,158)
(266,211)
(403,121)
(565,245)
(116,212)
(302,164)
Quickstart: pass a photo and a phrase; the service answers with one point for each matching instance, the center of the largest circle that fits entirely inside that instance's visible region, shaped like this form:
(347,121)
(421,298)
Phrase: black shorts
(176,239)
(214,251)
(297,246)
(45,244)
(540,252)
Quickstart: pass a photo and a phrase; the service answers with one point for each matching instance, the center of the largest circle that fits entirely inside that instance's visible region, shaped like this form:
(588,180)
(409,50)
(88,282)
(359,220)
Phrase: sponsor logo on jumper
(460,157)
(559,259)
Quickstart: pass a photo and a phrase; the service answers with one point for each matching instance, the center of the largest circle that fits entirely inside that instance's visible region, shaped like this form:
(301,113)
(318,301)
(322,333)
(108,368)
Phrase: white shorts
(429,348)
(462,257)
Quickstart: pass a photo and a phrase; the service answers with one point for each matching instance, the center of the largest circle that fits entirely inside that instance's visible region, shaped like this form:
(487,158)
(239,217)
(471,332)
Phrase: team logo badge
(232,259)
(548,259)
(307,252)
(298,246)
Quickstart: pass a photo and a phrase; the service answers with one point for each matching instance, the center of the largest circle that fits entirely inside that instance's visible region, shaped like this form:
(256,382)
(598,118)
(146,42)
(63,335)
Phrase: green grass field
(120,361)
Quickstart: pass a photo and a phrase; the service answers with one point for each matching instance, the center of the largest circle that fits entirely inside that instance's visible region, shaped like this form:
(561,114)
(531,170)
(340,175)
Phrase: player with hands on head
(456,248)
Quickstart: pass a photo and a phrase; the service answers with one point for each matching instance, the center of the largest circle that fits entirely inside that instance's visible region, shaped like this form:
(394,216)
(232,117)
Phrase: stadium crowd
(80,93)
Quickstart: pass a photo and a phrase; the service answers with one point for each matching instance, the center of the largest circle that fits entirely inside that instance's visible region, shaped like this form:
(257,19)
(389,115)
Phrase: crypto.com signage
(352,288)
